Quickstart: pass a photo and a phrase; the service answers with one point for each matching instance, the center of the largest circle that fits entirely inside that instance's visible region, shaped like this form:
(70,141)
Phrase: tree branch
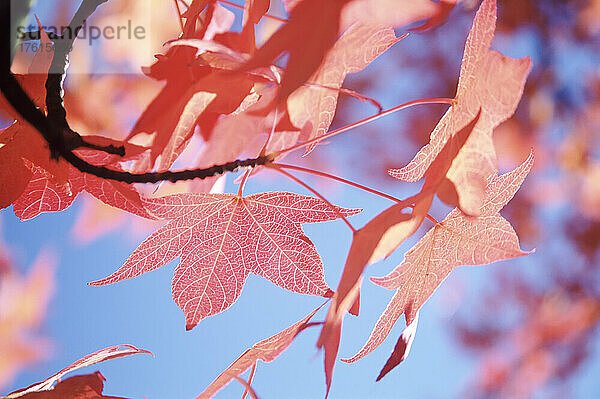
(56,112)
(52,128)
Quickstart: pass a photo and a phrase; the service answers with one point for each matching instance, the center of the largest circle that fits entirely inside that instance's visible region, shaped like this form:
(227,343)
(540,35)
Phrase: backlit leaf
(221,238)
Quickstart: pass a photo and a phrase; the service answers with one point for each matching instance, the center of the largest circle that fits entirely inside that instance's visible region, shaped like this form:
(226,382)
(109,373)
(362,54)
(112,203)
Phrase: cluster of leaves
(557,116)
(218,83)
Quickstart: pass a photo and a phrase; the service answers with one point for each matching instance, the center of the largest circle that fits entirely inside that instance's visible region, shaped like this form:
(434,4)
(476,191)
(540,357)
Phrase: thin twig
(351,183)
(339,179)
(315,192)
(437,100)
(250,378)
(273,17)
(179,13)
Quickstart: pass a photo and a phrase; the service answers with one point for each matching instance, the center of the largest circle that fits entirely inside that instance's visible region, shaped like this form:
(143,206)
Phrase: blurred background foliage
(537,330)
(534,330)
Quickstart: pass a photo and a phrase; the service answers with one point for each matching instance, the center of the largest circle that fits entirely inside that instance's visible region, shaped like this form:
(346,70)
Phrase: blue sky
(141,312)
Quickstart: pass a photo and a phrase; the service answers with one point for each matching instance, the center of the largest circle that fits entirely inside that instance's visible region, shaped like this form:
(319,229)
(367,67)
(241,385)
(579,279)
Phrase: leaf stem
(250,378)
(312,190)
(350,183)
(263,151)
(243,182)
(179,14)
(229,3)
(339,179)
(436,100)
(427,215)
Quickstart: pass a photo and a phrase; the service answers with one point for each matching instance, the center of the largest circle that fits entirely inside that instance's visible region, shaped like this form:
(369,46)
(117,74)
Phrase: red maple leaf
(45,193)
(194,93)
(488,81)
(312,28)
(311,108)
(379,238)
(20,141)
(34,182)
(83,387)
(458,240)
(221,238)
(86,386)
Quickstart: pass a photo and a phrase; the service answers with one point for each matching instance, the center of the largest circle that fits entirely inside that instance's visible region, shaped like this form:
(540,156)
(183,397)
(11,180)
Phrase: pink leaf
(488,81)
(112,352)
(458,240)
(221,238)
(45,194)
(266,350)
(312,108)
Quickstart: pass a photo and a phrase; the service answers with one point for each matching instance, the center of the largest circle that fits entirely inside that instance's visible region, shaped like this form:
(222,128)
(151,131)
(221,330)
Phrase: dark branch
(79,142)
(57,114)
(54,134)
(19,100)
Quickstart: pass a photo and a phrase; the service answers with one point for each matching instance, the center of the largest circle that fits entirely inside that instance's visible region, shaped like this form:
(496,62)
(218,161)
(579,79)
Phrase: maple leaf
(221,238)
(193,93)
(488,81)
(312,28)
(34,182)
(266,350)
(396,13)
(20,140)
(312,108)
(85,386)
(458,240)
(44,193)
(366,248)
(386,231)
(378,239)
